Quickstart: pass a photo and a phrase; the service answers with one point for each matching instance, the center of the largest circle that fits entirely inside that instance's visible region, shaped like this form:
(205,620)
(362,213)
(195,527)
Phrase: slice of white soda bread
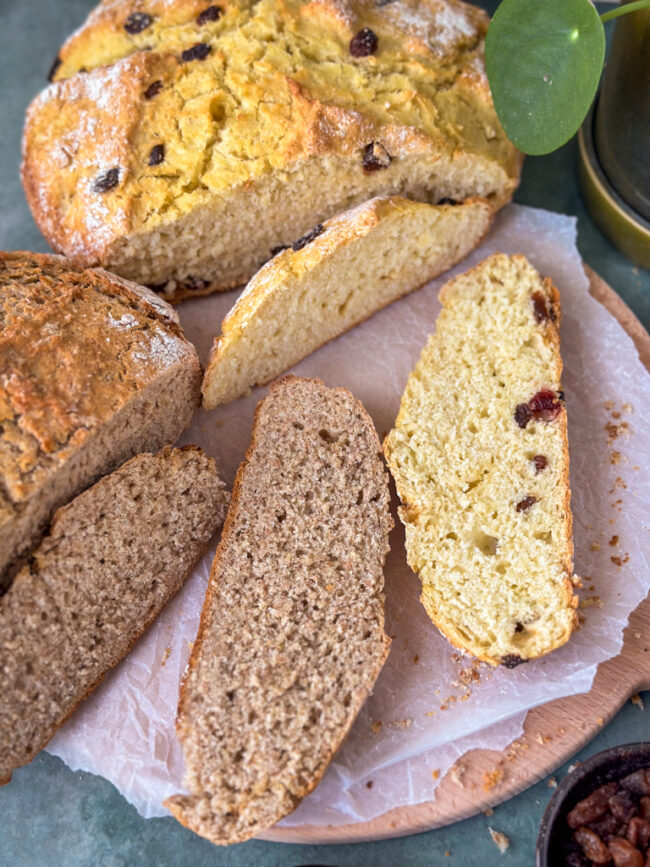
(480,458)
(339,274)
(292,635)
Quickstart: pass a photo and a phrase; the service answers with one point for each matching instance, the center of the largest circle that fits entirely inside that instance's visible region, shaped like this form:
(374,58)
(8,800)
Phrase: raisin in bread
(92,371)
(180,143)
(292,630)
(480,459)
(334,278)
(111,560)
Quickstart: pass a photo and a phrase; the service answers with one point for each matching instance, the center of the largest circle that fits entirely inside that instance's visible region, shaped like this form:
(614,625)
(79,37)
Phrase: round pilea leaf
(543,60)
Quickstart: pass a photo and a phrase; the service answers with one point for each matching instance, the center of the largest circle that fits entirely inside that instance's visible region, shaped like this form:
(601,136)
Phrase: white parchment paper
(430,704)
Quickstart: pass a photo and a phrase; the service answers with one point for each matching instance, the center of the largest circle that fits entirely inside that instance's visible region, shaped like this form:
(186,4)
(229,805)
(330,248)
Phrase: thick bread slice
(180,143)
(92,371)
(111,560)
(480,459)
(350,267)
(292,630)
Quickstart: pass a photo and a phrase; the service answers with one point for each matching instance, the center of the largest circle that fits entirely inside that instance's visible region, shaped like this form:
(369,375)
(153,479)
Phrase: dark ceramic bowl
(606,767)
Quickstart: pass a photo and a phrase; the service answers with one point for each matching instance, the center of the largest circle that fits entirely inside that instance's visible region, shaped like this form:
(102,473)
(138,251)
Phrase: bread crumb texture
(109,563)
(361,261)
(92,370)
(480,459)
(180,148)
(292,631)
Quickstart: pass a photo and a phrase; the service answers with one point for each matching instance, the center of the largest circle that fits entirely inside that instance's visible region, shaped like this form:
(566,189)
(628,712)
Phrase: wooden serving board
(553,732)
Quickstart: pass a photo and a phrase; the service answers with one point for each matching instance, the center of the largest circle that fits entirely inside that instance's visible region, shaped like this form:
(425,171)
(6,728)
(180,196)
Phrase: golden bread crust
(76,347)
(277,92)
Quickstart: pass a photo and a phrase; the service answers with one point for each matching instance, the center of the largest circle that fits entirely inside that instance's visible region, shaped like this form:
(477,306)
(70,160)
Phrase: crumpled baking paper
(430,704)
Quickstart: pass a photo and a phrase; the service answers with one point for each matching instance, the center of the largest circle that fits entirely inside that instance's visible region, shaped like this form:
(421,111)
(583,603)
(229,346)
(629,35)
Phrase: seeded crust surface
(479,453)
(182,154)
(291,638)
(111,560)
(92,371)
(357,263)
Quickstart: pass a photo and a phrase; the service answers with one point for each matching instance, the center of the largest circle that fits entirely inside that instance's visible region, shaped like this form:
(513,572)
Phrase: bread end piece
(480,457)
(344,271)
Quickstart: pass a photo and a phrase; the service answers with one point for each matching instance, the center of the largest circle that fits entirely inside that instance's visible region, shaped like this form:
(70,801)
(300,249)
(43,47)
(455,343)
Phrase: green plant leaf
(544,59)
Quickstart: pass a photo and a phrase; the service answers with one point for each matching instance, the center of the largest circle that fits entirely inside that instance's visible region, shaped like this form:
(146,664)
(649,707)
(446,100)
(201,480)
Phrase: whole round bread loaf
(182,142)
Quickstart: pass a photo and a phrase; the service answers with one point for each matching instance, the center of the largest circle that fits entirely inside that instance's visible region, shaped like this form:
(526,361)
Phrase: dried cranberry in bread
(480,458)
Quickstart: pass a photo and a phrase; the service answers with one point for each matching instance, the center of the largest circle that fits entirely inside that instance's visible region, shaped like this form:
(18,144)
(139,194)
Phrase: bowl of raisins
(600,813)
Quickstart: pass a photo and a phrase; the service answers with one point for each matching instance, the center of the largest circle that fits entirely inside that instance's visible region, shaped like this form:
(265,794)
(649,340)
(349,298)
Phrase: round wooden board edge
(553,732)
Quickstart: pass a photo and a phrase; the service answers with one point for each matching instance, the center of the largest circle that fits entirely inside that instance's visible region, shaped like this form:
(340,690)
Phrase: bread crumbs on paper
(376,726)
(613,541)
(595,546)
(620,561)
(492,778)
(500,840)
(168,650)
(637,700)
(436,774)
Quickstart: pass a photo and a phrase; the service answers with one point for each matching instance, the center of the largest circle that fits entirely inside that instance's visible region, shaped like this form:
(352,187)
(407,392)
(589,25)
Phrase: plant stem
(624,9)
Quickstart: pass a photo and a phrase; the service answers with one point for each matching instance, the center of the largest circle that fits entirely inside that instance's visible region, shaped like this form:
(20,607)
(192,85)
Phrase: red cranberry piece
(106,181)
(540,462)
(156,155)
(523,414)
(364,43)
(375,157)
(306,239)
(153,90)
(526,503)
(212,13)
(543,312)
(544,405)
(137,22)
(197,52)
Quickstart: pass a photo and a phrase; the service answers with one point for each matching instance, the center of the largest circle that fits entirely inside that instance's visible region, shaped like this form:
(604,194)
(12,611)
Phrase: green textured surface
(51,816)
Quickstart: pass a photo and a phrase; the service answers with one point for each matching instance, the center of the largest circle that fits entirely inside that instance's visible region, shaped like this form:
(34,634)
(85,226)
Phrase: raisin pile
(612,824)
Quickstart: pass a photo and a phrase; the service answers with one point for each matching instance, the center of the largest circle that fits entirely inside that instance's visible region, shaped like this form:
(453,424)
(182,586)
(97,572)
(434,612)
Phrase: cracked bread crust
(291,638)
(263,136)
(92,370)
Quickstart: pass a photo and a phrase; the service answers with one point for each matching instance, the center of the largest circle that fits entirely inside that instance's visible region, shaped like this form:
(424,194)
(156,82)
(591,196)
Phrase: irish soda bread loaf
(292,631)
(109,563)
(182,141)
(480,460)
(92,371)
(341,273)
